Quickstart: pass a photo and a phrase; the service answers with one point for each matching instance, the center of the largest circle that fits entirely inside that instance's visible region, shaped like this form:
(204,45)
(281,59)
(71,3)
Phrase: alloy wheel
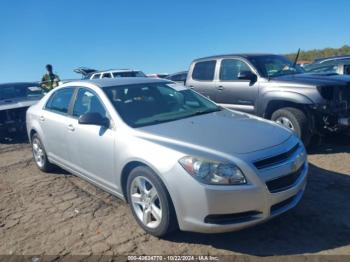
(146,202)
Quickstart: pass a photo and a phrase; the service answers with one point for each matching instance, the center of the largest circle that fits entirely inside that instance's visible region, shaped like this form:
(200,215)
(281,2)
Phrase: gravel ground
(59,214)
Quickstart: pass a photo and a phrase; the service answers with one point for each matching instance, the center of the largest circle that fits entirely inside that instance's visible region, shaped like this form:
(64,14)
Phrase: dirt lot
(61,214)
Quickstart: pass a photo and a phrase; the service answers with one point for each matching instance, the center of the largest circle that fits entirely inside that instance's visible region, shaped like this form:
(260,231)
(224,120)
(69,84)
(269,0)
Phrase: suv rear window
(204,71)
(128,74)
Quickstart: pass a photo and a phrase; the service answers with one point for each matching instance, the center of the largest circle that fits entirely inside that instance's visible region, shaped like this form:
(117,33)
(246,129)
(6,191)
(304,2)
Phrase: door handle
(191,87)
(70,127)
(220,88)
(42,119)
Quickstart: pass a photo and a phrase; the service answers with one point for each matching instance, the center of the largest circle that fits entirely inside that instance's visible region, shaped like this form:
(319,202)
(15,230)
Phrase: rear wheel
(150,202)
(296,120)
(39,154)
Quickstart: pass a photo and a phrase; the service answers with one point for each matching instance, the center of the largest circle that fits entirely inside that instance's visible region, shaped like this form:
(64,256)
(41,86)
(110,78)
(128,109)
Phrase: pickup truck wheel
(150,202)
(39,154)
(296,120)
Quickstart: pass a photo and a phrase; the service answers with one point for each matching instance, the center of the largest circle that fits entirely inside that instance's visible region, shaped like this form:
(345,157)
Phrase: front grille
(277,207)
(232,218)
(284,182)
(270,161)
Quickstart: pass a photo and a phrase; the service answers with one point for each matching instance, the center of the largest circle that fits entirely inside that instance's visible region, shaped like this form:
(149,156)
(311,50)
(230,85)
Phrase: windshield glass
(274,65)
(150,104)
(12,91)
(129,74)
(323,69)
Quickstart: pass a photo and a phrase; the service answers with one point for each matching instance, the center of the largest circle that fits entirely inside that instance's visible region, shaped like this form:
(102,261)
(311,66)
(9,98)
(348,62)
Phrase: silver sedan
(177,158)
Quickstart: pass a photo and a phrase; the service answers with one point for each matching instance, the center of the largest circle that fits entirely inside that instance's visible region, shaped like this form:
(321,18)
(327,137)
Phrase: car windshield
(150,104)
(322,69)
(129,74)
(12,91)
(274,65)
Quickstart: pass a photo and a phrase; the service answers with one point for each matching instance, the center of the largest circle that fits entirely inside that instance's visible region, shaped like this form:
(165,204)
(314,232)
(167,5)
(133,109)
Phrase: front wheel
(294,119)
(150,202)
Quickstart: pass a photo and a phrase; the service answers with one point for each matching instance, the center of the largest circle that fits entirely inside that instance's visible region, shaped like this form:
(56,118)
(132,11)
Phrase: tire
(39,155)
(296,120)
(155,214)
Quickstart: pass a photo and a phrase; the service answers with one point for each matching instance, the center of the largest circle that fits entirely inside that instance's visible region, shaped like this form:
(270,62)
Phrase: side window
(231,68)
(106,75)
(346,69)
(60,100)
(204,71)
(96,76)
(87,102)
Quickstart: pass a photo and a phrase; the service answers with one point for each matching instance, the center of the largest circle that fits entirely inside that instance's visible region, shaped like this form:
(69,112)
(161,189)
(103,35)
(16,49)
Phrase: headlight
(213,172)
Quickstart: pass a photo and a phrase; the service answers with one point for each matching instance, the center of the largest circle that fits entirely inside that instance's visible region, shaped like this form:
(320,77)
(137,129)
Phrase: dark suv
(273,87)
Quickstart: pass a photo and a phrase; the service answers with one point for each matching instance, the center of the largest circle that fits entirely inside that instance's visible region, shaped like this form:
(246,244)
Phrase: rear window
(128,74)
(204,71)
(178,77)
(12,91)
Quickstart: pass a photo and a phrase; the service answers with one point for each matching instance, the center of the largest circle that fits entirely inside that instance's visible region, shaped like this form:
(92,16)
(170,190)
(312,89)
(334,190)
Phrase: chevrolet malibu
(178,159)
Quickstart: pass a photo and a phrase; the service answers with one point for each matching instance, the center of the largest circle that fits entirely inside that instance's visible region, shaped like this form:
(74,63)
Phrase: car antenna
(296,58)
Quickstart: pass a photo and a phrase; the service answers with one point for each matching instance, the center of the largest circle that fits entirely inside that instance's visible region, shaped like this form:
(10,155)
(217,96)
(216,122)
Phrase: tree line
(311,55)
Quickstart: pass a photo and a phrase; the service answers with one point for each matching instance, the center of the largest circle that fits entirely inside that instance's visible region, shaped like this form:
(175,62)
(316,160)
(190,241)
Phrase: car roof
(106,82)
(244,55)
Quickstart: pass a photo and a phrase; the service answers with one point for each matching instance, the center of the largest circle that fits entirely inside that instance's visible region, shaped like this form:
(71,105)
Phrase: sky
(157,36)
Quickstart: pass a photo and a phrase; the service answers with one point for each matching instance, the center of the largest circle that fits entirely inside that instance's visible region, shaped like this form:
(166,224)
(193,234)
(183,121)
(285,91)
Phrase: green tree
(311,55)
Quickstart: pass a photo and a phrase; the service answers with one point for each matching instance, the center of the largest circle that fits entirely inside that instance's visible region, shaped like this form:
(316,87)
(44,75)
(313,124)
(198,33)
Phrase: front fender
(283,96)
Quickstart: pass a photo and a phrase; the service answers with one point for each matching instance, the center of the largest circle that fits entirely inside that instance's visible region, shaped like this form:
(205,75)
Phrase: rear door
(53,121)
(202,78)
(233,92)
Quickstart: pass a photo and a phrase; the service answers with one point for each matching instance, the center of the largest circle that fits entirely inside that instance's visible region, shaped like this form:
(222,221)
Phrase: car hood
(225,131)
(315,79)
(13,103)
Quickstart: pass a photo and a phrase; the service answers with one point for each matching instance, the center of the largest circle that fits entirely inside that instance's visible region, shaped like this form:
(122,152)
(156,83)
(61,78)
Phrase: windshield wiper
(202,112)
(159,121)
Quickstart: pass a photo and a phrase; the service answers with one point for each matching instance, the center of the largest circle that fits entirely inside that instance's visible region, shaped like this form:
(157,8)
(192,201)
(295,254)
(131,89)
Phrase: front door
(92,147)
(233,92)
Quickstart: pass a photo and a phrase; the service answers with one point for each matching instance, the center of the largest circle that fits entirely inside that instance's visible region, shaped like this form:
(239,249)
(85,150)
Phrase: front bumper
(214,209)
(13,120)
(326,120)
(12,127)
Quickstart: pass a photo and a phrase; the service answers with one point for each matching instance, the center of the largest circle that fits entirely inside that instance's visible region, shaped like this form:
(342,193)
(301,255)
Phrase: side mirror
(247,75)
(93,119)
